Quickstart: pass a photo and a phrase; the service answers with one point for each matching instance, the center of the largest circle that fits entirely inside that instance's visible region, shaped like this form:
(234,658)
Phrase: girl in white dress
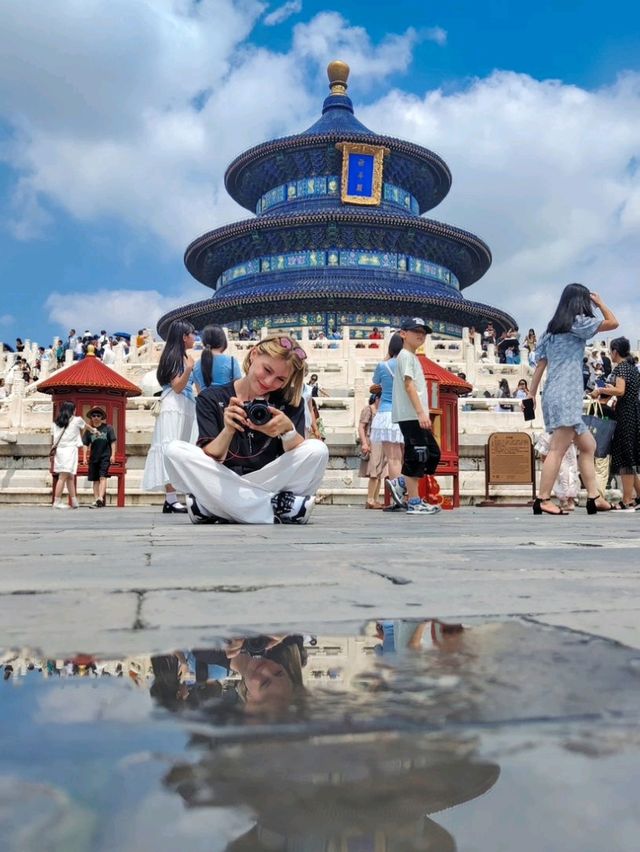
(177,412)
(67,431)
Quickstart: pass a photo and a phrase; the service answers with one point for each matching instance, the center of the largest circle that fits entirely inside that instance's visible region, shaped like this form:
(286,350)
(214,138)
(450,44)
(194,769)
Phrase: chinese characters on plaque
(362,167)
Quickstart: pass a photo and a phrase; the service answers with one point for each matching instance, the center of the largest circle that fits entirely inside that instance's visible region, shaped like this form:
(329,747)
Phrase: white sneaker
(60,505)
(422,509)
(289,508)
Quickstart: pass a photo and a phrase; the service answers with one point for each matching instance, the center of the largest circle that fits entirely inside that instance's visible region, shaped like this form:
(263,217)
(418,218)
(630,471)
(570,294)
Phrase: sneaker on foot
(290,508)
(60,505)
(397,489)
(170,508)
(421,508)
(198,515)
(433,506)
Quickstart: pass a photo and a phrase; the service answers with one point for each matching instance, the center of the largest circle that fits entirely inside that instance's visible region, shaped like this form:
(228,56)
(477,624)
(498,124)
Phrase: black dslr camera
(257,411)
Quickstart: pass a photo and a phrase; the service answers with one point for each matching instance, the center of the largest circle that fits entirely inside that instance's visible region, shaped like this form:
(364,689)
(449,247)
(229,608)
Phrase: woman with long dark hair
(504,392)
(624,386)
(560,351)
(177,410)
(67,432)
(214,367)
(530,343)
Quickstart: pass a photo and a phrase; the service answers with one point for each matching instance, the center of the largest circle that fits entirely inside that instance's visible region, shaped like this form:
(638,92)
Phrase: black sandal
(593,508)
(538,510)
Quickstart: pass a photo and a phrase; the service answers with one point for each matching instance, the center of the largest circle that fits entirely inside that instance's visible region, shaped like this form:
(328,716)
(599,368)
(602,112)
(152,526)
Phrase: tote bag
(602,429)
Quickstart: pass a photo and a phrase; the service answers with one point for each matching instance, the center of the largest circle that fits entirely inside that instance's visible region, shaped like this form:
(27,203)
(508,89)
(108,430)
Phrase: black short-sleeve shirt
(248,450)
(101,442)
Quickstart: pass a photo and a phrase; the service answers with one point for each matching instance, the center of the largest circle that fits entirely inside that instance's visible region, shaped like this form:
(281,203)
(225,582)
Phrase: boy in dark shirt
(100,446)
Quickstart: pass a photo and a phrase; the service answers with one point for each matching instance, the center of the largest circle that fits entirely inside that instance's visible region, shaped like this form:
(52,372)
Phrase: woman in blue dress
(560,351)
(214,367)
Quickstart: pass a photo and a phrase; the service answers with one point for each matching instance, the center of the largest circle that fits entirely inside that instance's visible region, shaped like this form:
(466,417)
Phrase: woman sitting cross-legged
(252,464)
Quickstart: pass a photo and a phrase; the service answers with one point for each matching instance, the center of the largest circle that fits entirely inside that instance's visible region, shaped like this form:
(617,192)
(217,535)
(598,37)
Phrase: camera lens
(256,645)
(259,413)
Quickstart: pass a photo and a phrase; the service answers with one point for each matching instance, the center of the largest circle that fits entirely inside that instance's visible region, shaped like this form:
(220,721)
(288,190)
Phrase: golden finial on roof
(338,73)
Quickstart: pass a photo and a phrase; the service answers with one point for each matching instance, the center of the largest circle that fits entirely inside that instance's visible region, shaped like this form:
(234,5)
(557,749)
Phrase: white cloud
(436,34)
(132,112)
(329,36)
(73,704)
(293,7)
(6,319)
(545,173)
(117,310)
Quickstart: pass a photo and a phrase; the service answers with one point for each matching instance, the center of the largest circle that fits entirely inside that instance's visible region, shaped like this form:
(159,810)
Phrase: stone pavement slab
(130,580)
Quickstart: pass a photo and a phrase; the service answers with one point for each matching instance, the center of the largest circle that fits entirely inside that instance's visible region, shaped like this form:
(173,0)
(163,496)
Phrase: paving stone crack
(392,578)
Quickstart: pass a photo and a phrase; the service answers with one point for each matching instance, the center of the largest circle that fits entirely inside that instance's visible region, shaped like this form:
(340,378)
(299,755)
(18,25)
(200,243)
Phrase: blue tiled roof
(467,256)
(337,115)
(341,283)
(322,296)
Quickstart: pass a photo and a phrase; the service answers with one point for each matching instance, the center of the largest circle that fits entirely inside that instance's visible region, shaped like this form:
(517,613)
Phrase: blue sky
(118,119)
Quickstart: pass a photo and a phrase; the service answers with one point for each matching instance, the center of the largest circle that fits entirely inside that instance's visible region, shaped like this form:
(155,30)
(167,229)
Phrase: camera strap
(232,455)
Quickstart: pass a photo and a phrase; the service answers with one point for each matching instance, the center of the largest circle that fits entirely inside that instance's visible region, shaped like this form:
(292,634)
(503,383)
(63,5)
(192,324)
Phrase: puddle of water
(412,736)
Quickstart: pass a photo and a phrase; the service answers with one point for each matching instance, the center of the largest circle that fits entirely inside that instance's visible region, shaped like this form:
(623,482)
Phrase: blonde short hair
(292,388)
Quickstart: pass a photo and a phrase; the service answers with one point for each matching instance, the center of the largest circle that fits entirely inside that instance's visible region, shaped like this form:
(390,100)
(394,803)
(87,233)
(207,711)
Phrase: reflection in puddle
(332,743)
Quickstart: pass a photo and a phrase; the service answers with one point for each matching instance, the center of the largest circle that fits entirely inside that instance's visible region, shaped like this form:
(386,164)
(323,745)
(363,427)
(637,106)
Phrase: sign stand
(509,459)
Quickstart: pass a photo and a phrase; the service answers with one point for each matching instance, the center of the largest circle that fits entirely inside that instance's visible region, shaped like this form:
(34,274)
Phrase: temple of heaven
(338,237)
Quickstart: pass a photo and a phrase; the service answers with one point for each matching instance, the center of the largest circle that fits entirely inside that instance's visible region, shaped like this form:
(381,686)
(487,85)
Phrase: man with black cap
(102,454)
(411,412)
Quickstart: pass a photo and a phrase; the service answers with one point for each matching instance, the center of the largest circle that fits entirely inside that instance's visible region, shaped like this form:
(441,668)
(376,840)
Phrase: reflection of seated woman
(270,669)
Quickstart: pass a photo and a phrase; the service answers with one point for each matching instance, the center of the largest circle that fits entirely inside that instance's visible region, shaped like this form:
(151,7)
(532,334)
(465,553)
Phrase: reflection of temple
(338,238)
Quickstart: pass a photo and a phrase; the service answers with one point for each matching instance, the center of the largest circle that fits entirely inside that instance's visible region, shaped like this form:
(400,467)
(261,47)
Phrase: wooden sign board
(509,460)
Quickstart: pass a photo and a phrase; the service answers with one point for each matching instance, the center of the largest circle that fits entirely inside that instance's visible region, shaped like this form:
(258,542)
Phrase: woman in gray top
(560,351)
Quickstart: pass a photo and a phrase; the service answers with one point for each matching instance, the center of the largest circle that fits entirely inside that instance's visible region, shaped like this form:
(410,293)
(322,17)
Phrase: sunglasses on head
(287,343)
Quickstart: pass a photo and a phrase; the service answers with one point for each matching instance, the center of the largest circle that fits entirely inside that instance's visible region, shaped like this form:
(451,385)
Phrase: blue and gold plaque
(362,167)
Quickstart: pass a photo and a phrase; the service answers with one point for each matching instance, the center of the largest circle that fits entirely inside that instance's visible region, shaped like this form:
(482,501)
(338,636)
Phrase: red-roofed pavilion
(88,383)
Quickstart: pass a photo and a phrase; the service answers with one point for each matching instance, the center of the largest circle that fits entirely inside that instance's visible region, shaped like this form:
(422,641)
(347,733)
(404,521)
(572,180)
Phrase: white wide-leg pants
(245,499)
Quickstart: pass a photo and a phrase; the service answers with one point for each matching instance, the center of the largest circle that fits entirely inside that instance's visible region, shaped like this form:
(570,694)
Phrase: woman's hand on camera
(235,417)
(533,400)
(278,425)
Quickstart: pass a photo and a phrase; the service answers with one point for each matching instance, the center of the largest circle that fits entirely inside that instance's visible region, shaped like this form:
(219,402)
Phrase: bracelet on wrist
(288,436)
